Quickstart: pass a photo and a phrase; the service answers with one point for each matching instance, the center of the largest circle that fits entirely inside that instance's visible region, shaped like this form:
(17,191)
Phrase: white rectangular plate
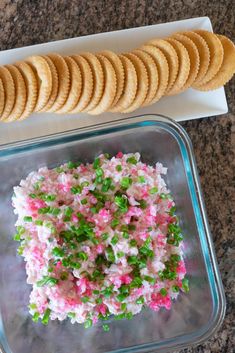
(191,104)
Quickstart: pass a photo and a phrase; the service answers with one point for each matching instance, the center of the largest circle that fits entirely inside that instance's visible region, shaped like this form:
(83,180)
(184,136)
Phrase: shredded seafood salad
(99,239)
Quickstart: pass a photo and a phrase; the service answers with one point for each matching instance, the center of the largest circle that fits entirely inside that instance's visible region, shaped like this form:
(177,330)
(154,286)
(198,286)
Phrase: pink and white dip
(99,239)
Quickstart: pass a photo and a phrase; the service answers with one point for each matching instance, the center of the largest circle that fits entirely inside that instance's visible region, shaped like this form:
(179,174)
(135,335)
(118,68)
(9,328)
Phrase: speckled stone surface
(27,22)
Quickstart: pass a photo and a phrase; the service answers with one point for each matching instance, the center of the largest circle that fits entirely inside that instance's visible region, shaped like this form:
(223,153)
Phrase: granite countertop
(26,22)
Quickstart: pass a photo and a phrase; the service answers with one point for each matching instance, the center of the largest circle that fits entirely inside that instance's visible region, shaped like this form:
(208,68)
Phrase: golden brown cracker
(20,94)
(130,86)
(43,72)
(142,82)
(163,69)
(64,81)
(227,69)
(216,55)
(9,88)
(171,57)
(87,84)
(98,77)
(2,98)
(193,56)
(184,66)
(31,88)
(55,85)
(119,71)
(75,86)
(152,72)
(203,51)
(110,86)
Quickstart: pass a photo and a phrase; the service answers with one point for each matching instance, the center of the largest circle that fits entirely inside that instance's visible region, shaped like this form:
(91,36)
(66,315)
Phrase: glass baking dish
(194,316)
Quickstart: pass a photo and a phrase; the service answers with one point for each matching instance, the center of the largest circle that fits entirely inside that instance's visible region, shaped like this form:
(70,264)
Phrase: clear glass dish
(194,316)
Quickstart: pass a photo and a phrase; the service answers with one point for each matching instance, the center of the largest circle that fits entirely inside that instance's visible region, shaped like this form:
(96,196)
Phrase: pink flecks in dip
(99,239)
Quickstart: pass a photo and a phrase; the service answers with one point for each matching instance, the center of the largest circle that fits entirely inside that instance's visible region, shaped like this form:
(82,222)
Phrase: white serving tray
(191,104)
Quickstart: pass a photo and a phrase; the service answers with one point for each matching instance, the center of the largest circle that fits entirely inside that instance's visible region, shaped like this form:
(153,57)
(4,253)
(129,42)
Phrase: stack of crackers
(109,82)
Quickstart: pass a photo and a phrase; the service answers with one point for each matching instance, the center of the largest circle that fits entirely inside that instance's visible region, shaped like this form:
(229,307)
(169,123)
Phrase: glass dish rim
(197,202)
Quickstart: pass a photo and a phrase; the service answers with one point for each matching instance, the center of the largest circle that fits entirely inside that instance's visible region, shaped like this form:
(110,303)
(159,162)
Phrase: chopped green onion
(123,306)
(33,196)
(119,168)
(16,237)
(153,190)
(141,179)
(71,315)
(106,328)
(46,280)
(82,255)
(75,190)
(104,236)
(185,285)
(35,317)
(140,300)
(88,323)
(163,292)
(125,235)
(20,250)
(129,316)
(96,292)
(114,223)
(99,301)
(85,299)
(133,242)
(110,254)
(96,163)
(58,252)
(132,260)
(126,182)
(150,279)
(37,185)
(46,316)
(84,201)
(39,222)
(120,254)
(120,297)
(175,289)
(99,172)
(32,306)
(114,240)
(28,219)
(43,210)
(132,160)
(59,169)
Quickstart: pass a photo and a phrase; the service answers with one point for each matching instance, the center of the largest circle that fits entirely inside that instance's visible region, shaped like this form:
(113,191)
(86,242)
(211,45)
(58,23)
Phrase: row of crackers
(106,81)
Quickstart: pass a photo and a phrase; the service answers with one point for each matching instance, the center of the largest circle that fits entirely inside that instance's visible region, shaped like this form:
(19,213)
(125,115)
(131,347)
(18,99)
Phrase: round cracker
(142,82)
(64,81)
(75,86)
(31,88)
(184,66)
(171,57)
(152,72)
(9,88)
(163,69)
(193,56)
(55,84)
(130,86)
(2,98)
(98,76)
(216,55)
(119,71)
(227,69)
(20,94)
(204,54)
(87,84)
(43,72)
(110,86)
